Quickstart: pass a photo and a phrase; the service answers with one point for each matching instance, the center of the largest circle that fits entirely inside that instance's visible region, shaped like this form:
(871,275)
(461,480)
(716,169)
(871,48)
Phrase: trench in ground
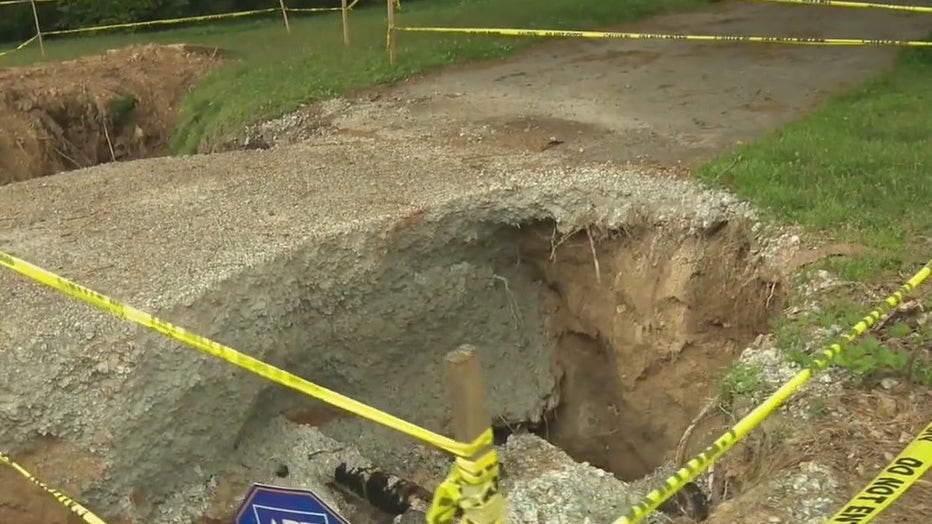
(606,343)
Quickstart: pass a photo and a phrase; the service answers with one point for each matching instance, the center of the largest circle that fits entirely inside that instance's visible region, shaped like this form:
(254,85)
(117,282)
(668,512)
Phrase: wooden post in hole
(391,31)
(285,15)
(35,16)
(343,12)
(464,374)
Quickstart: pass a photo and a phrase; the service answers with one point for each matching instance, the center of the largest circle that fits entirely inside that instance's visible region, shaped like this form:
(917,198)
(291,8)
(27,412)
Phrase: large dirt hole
(606,340)
(631,326)
(120,105)
(642,326)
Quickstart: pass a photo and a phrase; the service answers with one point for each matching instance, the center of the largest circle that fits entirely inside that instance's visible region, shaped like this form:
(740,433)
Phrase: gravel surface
(662,102)
(292,255)
(327,257)
(542,484)
(547,486)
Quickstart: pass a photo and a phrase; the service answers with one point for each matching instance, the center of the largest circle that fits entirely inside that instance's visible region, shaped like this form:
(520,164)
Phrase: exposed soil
(692,303)
(641,320)
(22,501)
(643,326)
(117,106)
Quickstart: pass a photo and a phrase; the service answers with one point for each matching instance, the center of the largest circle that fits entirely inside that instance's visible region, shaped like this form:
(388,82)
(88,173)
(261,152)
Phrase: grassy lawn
(278,72)
(859,171)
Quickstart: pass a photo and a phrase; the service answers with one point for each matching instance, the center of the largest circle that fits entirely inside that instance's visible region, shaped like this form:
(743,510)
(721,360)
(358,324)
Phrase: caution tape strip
(701,462)
(172,21)
(864,5)
(895,479)
(20,46)
(554,33)
(65,500)
(11,2)
(349,7)
(242,360)
(312,9)
(169,21)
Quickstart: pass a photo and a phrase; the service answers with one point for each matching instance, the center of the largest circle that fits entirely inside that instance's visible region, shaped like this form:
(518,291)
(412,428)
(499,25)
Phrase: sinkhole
(603,341)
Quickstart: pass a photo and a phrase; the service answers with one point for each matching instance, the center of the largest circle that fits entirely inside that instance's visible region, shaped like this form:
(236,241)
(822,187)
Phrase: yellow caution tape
(20,46)
(553,33)
(169,21)
(313,9)
(349,6)
(891,483)
(866,5)
(701,462)
(472,487)
(65,500)
(255,366)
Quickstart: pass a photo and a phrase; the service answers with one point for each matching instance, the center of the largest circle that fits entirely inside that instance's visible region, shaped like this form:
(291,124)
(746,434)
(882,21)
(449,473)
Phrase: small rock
(888,383)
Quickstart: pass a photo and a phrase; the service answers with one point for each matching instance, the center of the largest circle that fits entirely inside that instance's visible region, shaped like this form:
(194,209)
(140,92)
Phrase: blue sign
(266,504)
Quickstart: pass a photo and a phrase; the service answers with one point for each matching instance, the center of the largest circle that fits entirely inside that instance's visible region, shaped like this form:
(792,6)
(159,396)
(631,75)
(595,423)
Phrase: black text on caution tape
(889,485)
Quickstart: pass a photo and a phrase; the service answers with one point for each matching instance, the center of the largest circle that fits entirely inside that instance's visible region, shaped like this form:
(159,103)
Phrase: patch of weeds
(898,330)
(740,381)
(792,337)
(912,343)
(868,359)
(899,350)
(120,109)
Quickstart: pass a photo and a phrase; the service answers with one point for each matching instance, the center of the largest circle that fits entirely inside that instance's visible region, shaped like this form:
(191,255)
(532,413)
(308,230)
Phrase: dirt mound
(120,105)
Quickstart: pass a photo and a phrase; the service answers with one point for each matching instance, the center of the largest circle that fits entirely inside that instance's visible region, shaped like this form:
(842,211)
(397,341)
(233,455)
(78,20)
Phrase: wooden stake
(343,12)
(35,16)
(285,15)
(391,31)
(464,374)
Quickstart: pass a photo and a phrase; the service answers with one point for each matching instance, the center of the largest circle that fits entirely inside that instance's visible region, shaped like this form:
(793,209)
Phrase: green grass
(279,72)
(899,349)
(858,170)
(738,381)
